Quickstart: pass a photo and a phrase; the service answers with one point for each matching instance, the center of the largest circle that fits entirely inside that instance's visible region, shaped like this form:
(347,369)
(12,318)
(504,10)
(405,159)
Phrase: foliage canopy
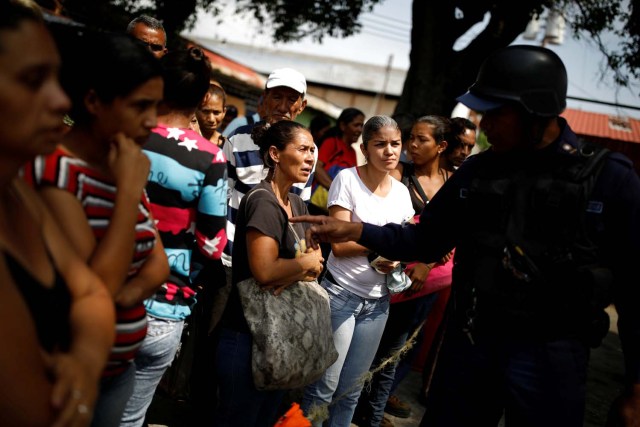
(437,73)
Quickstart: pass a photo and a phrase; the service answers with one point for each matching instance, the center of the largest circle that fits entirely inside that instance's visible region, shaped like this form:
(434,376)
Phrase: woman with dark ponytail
(266,249)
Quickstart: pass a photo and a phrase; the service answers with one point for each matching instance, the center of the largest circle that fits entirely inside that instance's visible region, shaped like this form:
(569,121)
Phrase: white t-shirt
(348,191)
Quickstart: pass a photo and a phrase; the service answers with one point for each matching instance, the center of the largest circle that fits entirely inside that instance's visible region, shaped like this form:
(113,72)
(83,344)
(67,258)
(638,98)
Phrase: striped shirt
(187,188)
(239,122)
(246,169)
(97,195)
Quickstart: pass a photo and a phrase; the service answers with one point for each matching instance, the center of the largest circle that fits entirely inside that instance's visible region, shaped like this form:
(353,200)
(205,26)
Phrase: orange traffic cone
(293,418)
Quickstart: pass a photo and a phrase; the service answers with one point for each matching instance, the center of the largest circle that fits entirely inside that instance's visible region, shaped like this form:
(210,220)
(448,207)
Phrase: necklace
(285,206)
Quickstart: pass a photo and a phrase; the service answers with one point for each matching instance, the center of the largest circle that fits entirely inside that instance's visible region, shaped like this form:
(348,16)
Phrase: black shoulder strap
(419,189)
(586,170)
(594,160)
(407,171)
(250,119)
(409,174)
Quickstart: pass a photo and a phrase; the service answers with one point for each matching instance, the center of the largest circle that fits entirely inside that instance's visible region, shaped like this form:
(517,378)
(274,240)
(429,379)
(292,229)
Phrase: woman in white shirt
(358,294)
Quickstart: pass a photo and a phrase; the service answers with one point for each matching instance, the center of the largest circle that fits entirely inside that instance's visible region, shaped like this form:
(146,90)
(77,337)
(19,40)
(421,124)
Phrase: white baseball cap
(287,77)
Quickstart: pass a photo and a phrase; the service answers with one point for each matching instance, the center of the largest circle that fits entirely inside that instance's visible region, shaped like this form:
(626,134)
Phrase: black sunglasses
(155,47)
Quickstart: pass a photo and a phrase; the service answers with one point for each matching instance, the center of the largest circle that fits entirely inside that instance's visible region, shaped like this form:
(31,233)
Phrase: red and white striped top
(97,196)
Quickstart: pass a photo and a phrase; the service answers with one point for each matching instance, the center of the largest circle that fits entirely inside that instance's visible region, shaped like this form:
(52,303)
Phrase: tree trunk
(438,74)
(175,14)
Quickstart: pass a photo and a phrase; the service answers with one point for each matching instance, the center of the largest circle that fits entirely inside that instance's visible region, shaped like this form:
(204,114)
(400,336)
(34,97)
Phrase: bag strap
(252,193)
(409,177)
(419,189)
(295,235)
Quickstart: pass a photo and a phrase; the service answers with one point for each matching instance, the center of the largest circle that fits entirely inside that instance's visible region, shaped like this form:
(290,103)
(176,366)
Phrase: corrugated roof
(317,69)
(236,70)
(247,75)
(603,125)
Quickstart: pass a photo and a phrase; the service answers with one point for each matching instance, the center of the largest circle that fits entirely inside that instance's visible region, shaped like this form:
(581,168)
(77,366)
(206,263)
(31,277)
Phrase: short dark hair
(460,124)
(458,127)
(148,21)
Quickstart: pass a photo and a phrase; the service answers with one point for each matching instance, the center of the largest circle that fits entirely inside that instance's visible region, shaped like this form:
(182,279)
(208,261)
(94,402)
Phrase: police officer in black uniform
(547,233)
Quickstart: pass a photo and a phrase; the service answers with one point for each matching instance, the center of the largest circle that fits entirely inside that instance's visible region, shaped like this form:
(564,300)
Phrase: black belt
(329,277)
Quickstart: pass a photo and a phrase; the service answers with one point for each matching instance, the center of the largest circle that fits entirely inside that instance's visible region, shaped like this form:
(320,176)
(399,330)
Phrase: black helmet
(531,76)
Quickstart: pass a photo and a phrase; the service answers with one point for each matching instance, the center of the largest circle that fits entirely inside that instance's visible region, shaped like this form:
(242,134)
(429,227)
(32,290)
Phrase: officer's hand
(328,229)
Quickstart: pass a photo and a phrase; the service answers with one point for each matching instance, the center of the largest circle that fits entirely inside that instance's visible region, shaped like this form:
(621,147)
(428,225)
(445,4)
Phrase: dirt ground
(604,383)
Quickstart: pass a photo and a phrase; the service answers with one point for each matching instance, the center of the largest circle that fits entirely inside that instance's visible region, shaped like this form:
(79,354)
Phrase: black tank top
(410,180)
(49,307)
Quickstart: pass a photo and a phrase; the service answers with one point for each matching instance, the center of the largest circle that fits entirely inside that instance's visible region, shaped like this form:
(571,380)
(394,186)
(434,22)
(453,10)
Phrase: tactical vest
(529,266)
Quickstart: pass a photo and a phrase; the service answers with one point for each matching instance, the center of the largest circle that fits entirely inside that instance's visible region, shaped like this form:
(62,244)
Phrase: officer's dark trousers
(540,384)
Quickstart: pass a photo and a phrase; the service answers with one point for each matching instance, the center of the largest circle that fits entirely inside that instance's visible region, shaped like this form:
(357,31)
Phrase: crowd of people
(131,196)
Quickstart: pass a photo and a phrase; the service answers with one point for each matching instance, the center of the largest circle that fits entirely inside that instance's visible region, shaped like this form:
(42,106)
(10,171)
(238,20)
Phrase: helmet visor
(479,104)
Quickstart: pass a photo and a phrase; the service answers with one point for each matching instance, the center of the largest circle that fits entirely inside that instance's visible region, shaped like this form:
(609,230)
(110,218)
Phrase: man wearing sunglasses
(151,32)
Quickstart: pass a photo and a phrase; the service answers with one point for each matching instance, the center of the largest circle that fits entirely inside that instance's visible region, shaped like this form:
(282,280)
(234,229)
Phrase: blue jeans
(239,402)
(535,384)
(357,324)
(404,318)
(115,392)
(156,354)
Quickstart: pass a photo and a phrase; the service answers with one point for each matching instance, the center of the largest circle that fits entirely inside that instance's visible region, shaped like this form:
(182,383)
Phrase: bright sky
(386,31)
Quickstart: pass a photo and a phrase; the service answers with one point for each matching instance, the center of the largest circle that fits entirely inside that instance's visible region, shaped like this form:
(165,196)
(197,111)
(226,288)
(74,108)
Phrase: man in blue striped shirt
(283,99)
